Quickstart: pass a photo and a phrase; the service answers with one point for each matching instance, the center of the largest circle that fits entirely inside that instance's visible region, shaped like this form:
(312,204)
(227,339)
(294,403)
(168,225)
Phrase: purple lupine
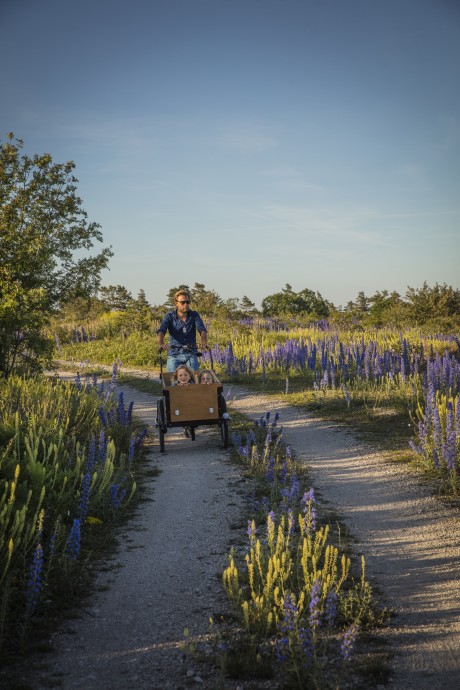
(132,447)
(270,471)
(121,411)
(348,642)
(117,495)
(84,499)
(34,580)
(102,447)
(103,417)
(330,611)
(308,501)
(91,455)
(450,454)
(437,430)
(74,539)
(315,604)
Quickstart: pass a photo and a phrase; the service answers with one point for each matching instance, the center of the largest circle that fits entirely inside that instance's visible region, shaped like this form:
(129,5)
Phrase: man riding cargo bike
(187,405)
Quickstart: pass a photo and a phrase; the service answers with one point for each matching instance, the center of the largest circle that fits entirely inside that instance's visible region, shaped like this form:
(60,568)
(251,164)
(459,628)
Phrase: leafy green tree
(386,309)
(433,303)
(43,233)
(205,301)
(295,303)
(247,306)
(115,297)
(140,313)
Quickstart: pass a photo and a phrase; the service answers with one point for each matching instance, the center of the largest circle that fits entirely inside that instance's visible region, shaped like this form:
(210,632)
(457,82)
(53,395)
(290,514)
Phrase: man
(182,324)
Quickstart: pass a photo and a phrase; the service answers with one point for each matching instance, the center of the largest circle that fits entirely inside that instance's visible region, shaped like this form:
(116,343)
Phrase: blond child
(207,376)
(183,376)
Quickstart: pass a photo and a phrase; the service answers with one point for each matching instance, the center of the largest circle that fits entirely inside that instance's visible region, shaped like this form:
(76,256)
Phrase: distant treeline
(438,306)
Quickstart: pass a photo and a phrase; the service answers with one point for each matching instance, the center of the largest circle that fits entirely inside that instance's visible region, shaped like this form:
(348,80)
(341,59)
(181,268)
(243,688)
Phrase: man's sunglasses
(185,301)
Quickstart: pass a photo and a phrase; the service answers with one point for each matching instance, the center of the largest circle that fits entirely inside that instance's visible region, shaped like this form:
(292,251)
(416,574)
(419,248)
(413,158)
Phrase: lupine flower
(315,601)
(270,471)
(103,417)
(34,580)
(102,447)
(91,455)
(132,447)
(330,612)
(117,495)
(348,642)
(85,492)
(308,501)
(73,541)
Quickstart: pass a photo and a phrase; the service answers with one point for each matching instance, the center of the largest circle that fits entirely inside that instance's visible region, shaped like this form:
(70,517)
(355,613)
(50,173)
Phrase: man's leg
(172,363)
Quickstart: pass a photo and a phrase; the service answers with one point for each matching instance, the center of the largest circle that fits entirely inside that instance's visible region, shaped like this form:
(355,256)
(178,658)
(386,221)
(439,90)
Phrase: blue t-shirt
(182,332)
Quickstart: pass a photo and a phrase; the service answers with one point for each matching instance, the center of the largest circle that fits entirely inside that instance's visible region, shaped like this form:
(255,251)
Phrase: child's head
(183,375)
(207,376)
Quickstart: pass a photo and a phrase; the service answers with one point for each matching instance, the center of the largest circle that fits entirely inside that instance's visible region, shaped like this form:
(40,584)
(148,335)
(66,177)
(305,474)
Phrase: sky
(246,144)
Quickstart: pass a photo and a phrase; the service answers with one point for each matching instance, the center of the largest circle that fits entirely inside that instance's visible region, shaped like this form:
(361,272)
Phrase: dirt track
(166,576)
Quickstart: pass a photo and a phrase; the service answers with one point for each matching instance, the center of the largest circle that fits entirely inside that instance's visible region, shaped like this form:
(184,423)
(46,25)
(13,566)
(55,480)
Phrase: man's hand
(161,348)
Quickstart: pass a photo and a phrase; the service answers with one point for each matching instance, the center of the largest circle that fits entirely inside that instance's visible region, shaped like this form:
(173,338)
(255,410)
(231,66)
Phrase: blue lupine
(330,611)
(270,471)
(348,642)
(132,447)
(84,499)
(117,495)
(91,455)
(315,602)
(308,501)
(73,541)
(34,580)
(103,417)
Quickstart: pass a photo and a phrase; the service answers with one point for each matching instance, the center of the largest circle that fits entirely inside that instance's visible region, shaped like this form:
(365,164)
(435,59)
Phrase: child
(207,376)
(183,376)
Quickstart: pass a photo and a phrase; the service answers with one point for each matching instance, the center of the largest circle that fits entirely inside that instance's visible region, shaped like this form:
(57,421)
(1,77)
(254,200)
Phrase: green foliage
(42,226)
(297,594)
(61,475)
(289,302)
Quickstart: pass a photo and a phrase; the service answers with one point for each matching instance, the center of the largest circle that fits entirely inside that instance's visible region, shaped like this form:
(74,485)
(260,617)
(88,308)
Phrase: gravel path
(166,576)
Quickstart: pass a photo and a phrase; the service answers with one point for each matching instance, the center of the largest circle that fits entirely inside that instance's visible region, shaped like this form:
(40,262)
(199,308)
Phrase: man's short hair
(179,293)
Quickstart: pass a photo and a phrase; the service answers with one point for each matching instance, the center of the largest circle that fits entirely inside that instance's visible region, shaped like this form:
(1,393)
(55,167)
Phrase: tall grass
(66,460)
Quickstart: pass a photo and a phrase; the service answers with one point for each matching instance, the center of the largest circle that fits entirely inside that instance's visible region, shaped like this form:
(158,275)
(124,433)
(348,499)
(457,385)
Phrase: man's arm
(204,339)
(161,331)
(202,331)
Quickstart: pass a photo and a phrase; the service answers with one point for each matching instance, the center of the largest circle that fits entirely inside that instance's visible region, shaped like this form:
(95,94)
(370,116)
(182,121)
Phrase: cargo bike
(190,406)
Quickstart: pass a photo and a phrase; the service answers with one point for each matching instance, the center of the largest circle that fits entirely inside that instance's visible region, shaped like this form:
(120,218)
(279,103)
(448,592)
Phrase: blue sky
(246,144)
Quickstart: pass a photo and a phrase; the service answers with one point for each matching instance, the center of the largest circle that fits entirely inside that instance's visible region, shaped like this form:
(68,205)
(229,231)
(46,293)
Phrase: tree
(140,313)
(438,302)
(205,301)
(247,306)
(294,303)
(116,297)
(42,227)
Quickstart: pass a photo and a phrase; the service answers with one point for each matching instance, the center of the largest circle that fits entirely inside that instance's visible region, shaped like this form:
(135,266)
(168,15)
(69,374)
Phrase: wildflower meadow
(412,373)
